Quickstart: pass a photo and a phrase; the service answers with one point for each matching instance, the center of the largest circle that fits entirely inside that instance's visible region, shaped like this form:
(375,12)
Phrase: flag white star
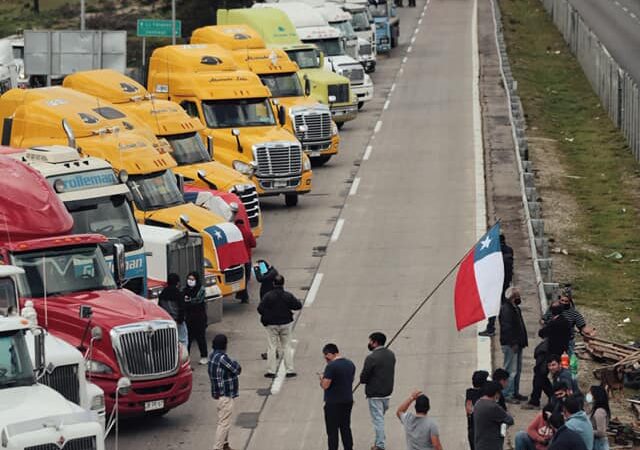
(218,235)
(485,243)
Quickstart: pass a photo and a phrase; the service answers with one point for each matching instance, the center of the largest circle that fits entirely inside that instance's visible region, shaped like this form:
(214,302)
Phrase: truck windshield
(15,362)
(360,21)
(155,191)
(305,59)
(188,148)
(330,47)
(8,300)
(62,271)
(252,112)
(283,84)
(345,27)
(109,216)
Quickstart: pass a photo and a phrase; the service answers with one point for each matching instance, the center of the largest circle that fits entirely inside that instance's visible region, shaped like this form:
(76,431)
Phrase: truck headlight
(154,292)
(94,366)
(210,280)
(334,129)
(243,168)
(97,403)
(207,264)
(306,163)
(184,353)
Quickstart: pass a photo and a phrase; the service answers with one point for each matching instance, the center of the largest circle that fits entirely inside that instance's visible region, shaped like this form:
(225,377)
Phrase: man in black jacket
(377,374)
(276,314)
(507,260)
(513,339)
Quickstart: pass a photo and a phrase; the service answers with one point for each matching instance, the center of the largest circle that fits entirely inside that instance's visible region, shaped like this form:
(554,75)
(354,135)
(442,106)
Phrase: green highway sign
(157,28)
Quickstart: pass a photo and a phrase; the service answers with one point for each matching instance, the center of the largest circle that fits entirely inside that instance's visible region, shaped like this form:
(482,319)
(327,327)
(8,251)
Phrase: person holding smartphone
(265,274)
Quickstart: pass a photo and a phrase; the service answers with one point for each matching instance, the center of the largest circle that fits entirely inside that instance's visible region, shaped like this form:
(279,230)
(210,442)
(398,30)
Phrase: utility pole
(173,22)
(82,15)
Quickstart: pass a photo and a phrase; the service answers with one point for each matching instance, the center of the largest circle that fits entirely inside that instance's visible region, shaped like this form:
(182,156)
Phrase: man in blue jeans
(513,339)
(377,375)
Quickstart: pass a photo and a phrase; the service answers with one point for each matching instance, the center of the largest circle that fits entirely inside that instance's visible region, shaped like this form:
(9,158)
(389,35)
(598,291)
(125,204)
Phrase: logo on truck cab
(93,179)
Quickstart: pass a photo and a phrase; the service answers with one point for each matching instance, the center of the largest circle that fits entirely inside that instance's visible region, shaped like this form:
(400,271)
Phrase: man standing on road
(223,374)
(513,339)
(421,431)
(507,260)
(337,381)
(489,419)
(249,244)
(377,374)
(276,314)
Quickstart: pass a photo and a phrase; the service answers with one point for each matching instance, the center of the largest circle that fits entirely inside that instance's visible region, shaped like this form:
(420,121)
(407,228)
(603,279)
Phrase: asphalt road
(617,25)
(381,227)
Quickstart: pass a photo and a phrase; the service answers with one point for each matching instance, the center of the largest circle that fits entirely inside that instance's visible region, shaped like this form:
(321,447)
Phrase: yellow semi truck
(169,121)
(309,120)
(238,113)
(34,117)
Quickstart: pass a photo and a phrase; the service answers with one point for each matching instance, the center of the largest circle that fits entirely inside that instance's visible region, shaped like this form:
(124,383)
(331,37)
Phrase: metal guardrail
(618,91)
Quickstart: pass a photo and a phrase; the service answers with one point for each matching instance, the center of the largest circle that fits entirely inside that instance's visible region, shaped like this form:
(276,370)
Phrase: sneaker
(203,361)
(530,406)
(522,398)
(291,375)
(269,375)
(487,333)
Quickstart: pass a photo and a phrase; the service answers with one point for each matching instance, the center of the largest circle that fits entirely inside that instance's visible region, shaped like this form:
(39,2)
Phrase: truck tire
(320,160)
(360,105)
(339,125)
(291,199)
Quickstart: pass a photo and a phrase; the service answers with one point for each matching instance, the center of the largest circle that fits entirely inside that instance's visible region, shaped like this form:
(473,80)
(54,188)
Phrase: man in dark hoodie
(513,339)
(276,314)
(171,300)
(564,438)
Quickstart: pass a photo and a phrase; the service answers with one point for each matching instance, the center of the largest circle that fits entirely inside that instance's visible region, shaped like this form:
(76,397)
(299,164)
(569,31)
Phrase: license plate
(153,405)
(315,153)
(279,184)
(235,287)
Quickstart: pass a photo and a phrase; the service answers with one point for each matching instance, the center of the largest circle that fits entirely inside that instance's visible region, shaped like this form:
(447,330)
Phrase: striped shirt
(223,373)
(572,315)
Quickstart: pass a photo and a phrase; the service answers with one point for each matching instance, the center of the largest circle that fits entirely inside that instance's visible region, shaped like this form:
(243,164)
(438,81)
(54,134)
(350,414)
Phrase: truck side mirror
(71,137)
(307,86)
(236,133)
(85,312)
(38,341)
(210,145)
(119,264)
(282,115)
(180,182)
(320,59)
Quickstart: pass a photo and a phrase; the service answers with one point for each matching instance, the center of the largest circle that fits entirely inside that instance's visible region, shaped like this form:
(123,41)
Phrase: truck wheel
(339,125)
(360,105)
(291,199)
(320,160)
(158,413)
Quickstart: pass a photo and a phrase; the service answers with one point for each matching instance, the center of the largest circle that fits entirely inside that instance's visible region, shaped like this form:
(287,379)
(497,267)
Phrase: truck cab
(238,114)
(32,414)
(364,27)
(278,32)
(169,121)
(387,24)
(313,28)
(33,118)
(307,119)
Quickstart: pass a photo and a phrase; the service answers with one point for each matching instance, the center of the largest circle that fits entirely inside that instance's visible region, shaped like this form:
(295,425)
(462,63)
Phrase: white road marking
(404,60)
(617,3)
(367,153)
(413,39)
(400,72)
(420,22)
(625,9)
(409,49)
(337,229)
(354,187)
(633,16)
(377,127)
(386,105)
(393,87)
(313,290)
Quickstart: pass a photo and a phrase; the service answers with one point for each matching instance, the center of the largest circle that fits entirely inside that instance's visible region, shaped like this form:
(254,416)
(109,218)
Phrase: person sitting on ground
(563,437)
(577,420)
(501,376)
(600,415)
(421,431)
(488,419)
(562,375)
(473,394)
(538,434)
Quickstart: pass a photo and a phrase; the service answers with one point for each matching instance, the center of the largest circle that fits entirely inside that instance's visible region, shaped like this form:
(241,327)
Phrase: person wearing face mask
(377,375)
(574,317)
(196,314)
(598,400)
(513,339)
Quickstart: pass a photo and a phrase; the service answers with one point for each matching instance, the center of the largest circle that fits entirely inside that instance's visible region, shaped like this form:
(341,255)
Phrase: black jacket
(276,307)
(512,329)
(171,300)
(266,280)
(507,259)
(566,439)
(378,372)
(558,334)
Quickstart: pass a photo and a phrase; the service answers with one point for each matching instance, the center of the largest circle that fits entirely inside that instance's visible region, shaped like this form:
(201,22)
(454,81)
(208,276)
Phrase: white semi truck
(34,415)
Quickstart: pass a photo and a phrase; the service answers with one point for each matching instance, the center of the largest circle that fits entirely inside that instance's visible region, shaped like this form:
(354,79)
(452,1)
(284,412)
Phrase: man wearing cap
(249,243)
(223,374)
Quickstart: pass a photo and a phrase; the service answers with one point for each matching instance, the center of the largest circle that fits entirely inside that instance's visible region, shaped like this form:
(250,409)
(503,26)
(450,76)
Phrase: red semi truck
(79,300)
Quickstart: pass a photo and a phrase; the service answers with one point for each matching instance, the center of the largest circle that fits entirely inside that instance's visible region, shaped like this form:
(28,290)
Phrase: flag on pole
(479,281)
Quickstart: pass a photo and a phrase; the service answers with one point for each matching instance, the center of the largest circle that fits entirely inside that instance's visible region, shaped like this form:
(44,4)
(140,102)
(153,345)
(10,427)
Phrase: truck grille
(365,49)
(64,379)
(354,74)
(340,92)
(279,159)
(148,349)
(249,198)
(233,274)
(318,126)
(185,256)
(85,443)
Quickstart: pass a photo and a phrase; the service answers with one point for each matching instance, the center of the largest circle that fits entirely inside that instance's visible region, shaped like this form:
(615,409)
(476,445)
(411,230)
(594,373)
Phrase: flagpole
(428,297)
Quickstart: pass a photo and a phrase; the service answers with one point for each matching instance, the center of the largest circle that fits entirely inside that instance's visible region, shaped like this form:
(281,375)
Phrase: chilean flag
(229,244)
(479,281)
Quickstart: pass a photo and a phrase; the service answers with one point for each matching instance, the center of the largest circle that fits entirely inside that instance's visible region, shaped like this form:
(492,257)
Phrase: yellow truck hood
(225,178)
